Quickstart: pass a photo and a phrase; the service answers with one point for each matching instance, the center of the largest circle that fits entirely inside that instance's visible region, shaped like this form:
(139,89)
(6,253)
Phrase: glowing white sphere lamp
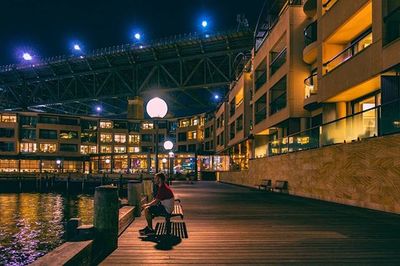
(108,161)
(168,145)
(157,108)
(27,56)
(164,160)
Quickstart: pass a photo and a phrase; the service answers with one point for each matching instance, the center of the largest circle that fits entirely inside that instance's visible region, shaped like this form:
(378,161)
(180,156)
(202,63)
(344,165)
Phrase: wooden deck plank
(233,225)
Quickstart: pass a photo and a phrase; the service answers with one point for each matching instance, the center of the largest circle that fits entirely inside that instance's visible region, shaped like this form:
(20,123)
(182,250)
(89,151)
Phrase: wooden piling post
(106,219)
(135,191)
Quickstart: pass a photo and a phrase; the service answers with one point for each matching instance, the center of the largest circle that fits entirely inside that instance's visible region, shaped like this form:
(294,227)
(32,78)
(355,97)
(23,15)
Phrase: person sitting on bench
(161,205)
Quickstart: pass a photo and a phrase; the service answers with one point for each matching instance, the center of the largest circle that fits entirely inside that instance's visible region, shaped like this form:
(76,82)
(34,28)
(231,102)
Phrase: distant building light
(27,56)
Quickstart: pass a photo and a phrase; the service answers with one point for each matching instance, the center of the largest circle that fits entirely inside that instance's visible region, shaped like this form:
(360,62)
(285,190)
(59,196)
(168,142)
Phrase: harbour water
(32,224)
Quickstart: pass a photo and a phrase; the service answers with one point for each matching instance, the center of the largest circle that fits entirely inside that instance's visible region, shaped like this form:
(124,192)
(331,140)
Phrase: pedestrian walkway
(234,225)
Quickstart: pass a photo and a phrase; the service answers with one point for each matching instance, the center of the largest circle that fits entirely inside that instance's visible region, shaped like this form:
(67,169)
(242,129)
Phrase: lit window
(105,124)
(120,138)
(87,149)
(192,135)
(66,134)
(119,149)
(195,121)
(105,149)
(47,147)
(28,147)
(147,125)
(134,139)
(184,123)
(134,149)
(9,118)
(106,137)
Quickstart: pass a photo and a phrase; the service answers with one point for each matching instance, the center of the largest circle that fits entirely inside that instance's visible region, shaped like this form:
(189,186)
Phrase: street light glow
(98,108)
(168,145)
(137,36)
(157,108)
(27,56)
(216,96)
(164,160)
(58,162)
(204,23)
(77,47)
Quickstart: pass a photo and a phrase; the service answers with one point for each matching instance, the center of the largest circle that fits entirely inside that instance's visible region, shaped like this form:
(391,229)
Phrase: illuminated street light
(98,108)
(27,56)
(216,96)
(168,145)
(137,36)
(77,47)
(108,161)
(156,108)
(58,162)
(204,23)
(164,160)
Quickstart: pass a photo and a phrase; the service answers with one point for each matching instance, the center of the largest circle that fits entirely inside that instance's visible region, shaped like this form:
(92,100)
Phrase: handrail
(352,45)
(278,56)
(309,78)
(312,29)
(343,118)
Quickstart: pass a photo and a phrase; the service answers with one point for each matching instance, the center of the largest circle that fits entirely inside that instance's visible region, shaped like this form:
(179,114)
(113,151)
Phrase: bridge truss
(185,71)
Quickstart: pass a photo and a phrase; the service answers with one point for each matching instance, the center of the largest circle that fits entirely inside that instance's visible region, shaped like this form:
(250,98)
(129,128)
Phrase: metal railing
(310,86)
(278,61)
(377,121)
(277,104)
(328,4)
(392,25)
(310,33)
(348,52)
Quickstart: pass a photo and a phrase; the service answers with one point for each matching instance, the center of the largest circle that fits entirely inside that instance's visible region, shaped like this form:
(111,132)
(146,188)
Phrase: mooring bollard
(106,219)
(72,226)
(135,191)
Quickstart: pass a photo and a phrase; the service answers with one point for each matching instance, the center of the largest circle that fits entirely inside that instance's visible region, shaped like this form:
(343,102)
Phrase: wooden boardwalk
(233,225)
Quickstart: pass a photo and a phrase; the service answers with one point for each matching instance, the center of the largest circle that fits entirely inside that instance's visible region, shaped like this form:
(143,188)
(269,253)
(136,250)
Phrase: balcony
(260,80)
(328,4)
(278,60)
(377,121)
(355,48)
(310,41)
(310,92)
(392,25)
(310,8)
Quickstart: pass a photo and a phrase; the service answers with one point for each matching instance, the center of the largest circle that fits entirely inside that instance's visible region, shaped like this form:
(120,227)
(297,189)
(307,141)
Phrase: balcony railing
(277,104)
(310,86)
(378,121)
(277,62)
(261,115)
(356,47)
(260,80)
(310,33)
(327,4)
(392,25)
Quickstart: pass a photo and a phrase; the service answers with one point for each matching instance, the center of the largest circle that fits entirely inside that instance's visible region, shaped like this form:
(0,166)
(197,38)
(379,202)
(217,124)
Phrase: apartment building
(41,142)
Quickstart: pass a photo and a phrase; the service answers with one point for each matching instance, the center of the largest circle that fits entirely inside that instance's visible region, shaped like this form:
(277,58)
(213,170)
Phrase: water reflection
(31,224)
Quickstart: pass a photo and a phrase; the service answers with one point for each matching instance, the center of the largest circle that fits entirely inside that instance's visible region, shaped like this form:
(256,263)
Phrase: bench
(177,212)
(281,186)
(265,184)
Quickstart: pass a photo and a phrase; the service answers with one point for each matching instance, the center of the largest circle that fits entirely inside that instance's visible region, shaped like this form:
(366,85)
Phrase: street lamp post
(168,145)
(156,108)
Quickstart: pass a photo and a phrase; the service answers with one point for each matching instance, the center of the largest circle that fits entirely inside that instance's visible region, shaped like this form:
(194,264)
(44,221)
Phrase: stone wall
(364,173)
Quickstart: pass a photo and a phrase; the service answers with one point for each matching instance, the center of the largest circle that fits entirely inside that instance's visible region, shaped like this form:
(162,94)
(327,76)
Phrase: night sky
(49,27)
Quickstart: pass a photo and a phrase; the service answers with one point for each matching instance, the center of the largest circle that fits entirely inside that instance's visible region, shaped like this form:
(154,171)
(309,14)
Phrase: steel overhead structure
(185,70)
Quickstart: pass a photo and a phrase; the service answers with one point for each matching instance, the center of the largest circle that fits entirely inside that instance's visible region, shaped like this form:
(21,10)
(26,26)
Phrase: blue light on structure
(98,108)
(27,56)
(204,23)
(216,96)
(77,47)
(137,36)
